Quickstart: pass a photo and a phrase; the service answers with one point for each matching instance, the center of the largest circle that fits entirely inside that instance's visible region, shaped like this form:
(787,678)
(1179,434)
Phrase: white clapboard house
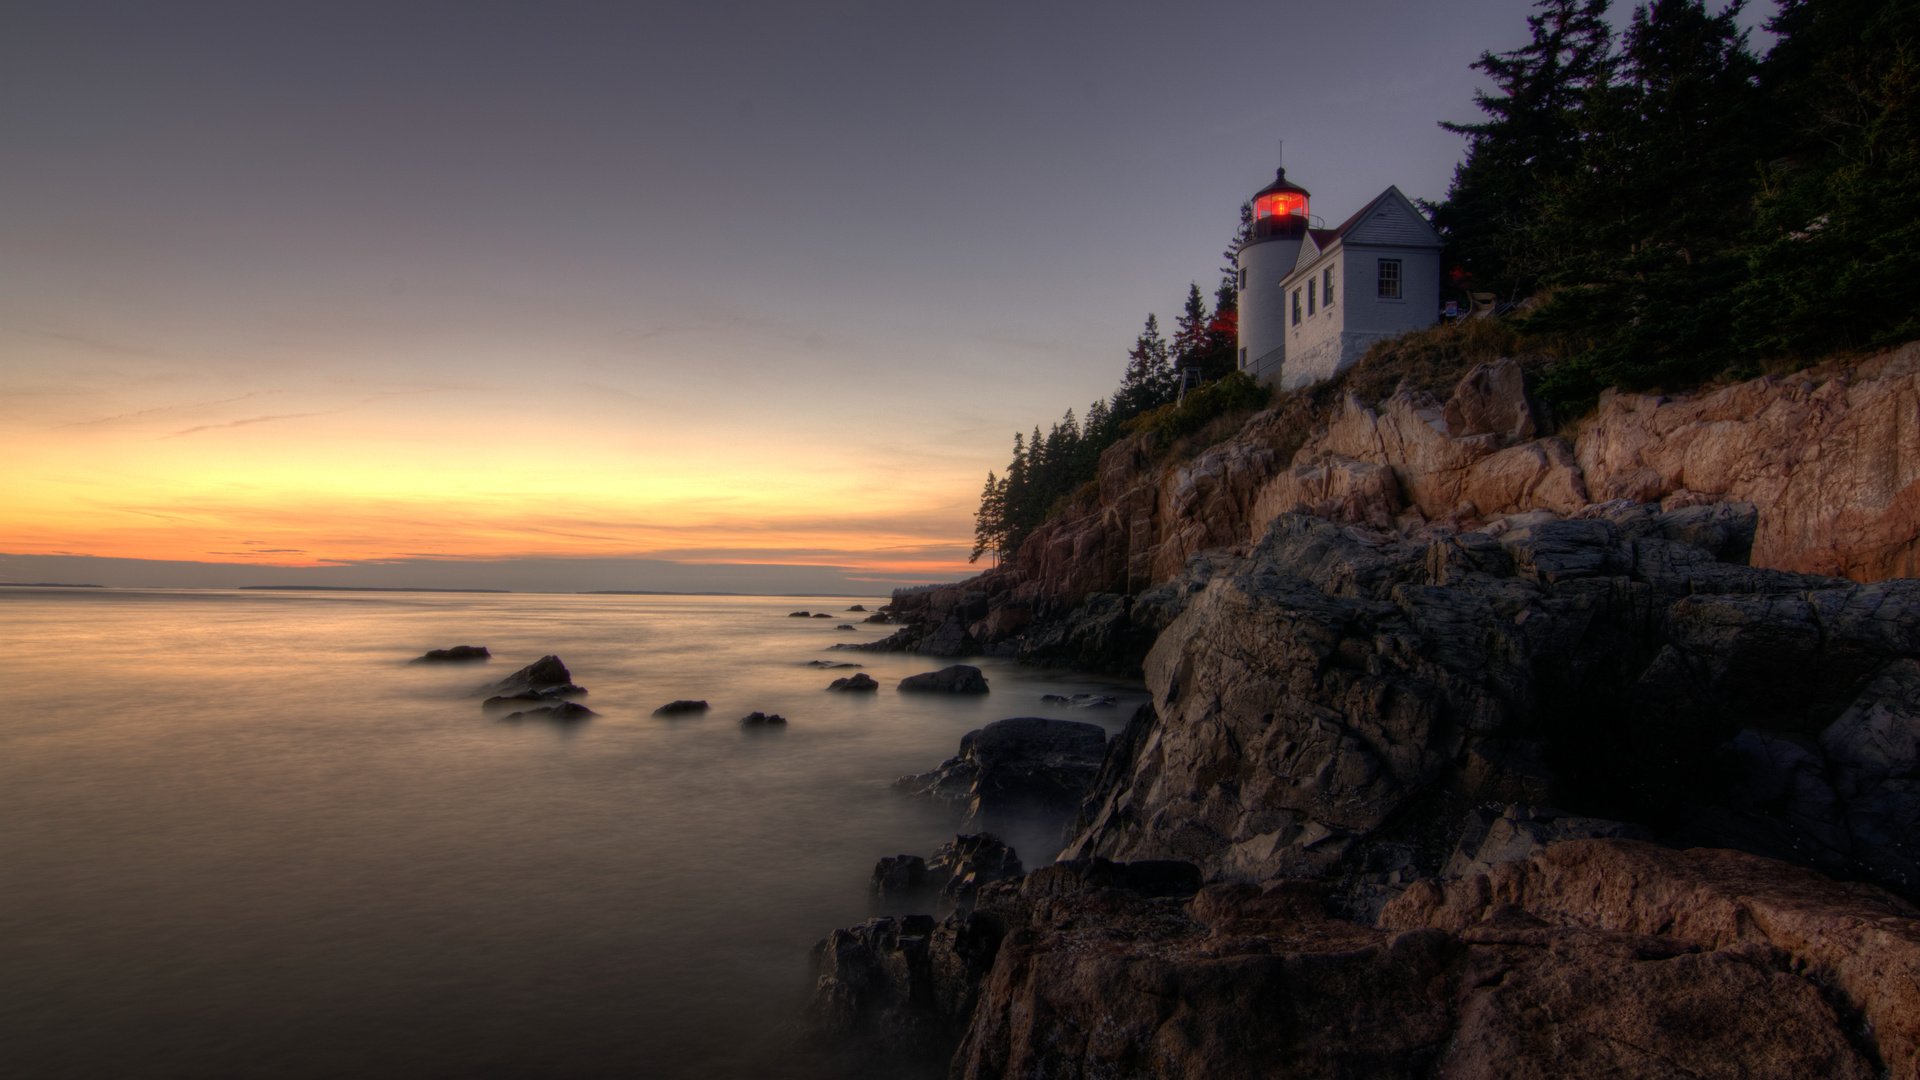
(1312,300)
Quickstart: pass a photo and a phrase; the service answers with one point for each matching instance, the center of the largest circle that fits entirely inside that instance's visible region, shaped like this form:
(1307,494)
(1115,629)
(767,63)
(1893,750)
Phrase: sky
(594,295)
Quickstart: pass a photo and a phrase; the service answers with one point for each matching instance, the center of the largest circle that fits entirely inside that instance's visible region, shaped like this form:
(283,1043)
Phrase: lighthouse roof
(1280,183)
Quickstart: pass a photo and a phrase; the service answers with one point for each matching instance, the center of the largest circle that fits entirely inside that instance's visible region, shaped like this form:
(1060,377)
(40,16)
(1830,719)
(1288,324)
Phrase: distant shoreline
(46,585)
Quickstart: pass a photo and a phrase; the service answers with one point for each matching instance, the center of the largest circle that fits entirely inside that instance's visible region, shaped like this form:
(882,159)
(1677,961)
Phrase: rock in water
(799,614)
(1025,766)
(958,679)
(857,607)
(565,711)
(856,682)
(526,697)
(542,674)
(459,653)
(762,720)
(681,708)
(899,879)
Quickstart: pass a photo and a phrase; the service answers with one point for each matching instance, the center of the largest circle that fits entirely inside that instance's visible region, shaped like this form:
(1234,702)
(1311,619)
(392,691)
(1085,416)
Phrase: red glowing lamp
(1280,204)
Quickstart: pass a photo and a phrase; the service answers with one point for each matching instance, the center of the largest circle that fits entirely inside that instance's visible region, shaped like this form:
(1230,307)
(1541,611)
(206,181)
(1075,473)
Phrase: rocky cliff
(1472,752)
(1830,459)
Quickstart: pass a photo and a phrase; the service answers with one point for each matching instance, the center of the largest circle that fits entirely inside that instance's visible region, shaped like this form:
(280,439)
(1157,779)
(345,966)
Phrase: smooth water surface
(240,835)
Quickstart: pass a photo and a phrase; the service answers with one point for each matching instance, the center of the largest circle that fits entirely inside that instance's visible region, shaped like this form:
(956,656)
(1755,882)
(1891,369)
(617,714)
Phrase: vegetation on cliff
(1681,205)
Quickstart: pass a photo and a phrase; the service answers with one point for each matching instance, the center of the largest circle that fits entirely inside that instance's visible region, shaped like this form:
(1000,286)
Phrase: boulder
(969,861)
(958,679)
(799,614)
(857,607)
(899,879)
(859,681)
(821,615)
(763,720)
(456,654)
(543,674)
(1026,766)
(681,707)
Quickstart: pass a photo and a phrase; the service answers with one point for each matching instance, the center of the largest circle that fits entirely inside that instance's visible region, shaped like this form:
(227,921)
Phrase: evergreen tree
(1836,242)
(990,524)
(1644,240)
(1190,332)
(1531,137)
(1149,381)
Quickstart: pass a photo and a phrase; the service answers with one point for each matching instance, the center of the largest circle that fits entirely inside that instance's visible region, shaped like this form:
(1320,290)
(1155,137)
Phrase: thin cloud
(153,411)
(250,421)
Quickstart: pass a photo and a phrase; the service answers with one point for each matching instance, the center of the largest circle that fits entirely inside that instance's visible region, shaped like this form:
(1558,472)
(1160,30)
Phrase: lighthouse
(1264,260)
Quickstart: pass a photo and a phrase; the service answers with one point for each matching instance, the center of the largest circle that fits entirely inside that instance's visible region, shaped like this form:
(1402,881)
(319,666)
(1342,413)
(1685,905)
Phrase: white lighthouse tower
(1268,256)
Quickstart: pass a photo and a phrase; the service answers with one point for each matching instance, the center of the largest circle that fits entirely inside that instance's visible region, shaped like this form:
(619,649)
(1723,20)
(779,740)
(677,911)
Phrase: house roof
(1320,241)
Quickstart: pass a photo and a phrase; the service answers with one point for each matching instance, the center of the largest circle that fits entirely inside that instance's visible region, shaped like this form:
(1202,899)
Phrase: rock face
(456,654)
(1592,958)
(1831,461)
(1027,766)
(1334,704)
(1498,755)
(954,875)
(958,679)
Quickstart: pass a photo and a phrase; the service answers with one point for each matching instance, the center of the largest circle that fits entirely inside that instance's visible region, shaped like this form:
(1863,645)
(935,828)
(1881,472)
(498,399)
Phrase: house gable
(1391,221)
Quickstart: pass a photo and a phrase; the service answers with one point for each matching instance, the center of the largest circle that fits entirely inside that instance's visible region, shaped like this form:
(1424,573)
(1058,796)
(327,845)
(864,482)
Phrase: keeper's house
(1312,300)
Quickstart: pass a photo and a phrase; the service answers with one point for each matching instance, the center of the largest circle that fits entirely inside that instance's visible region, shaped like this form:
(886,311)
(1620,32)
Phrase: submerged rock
(857,607)
(831,664)
(958,679)
(859,682)
(762,720)
(799,614)
(456,654)
(1081,701)
(681,708)
(524,697)
(566,710)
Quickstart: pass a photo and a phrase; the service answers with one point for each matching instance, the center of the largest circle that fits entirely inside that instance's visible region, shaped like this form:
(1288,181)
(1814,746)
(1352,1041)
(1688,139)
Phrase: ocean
(241,836)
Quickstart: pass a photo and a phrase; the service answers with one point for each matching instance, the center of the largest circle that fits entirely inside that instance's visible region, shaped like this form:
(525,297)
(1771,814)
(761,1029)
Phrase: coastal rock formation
(757,719)
(856,683)
(546,673)
(1332,705)
(1829,459)
(957,679)
(526,697)
(681,707)
(1026,766)
(456,654)
(1593,958)
(1832,458)
(954,875)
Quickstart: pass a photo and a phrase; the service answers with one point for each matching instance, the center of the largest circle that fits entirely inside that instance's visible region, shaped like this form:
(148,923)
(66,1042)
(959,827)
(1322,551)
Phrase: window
(1243,356)
(1389,279)
(1243,280)
(1296,307)
(1310,293)
(1326,287)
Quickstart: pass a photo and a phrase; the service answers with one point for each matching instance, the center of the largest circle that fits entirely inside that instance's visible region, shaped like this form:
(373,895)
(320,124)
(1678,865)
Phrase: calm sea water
(241,836)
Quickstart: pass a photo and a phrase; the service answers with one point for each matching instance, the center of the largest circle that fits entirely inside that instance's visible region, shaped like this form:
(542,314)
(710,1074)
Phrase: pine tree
(990,524)
(1149,381)
(1190,332)
(1531,137)
(1836,243)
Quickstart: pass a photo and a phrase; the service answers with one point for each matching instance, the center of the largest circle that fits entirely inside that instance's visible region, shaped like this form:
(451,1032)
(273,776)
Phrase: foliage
(1236,393)
(1687,206)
